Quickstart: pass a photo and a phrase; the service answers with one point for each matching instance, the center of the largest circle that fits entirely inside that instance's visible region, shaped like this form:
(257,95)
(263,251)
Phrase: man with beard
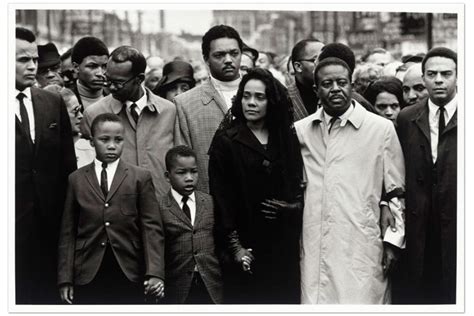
(149,120)
(201,109)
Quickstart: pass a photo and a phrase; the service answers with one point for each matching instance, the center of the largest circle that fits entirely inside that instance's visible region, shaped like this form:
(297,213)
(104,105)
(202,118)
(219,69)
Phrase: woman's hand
(273,208)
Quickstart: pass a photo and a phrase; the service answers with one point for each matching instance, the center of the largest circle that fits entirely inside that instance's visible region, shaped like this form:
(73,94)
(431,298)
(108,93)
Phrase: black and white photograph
(241,157)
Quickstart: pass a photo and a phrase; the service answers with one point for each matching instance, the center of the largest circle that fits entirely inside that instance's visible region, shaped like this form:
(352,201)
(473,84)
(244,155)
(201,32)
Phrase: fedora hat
(175,71)
(48,55)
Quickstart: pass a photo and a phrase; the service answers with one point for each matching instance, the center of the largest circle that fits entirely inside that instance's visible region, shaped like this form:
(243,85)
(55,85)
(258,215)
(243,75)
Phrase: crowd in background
(318,177)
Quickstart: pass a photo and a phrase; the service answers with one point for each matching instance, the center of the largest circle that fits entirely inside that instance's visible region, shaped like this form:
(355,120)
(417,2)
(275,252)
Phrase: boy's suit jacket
(187,245)
(128,218)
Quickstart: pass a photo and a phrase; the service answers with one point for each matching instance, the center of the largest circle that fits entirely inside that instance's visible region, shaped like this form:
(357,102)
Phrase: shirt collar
(26,92)
(354,114)
(450,107)
(178,197)
(142,102)
(110,166)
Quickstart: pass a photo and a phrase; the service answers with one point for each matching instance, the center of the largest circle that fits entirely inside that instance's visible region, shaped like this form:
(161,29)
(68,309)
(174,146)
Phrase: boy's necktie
(186,209)
(103,179)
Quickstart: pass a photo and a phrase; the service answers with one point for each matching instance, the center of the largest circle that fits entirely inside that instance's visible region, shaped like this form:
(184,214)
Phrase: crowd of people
(251,178)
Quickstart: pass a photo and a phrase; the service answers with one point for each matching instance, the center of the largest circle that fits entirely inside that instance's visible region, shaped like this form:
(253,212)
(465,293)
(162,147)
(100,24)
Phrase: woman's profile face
(254,101)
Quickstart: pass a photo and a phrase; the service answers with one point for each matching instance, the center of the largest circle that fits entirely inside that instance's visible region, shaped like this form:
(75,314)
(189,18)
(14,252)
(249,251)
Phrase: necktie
(441,122)
(186,209)
(25,121)
(331,122)
(103,180)
(133,112)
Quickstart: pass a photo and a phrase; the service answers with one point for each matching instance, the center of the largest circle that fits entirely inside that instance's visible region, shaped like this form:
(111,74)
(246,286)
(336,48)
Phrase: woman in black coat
(255,176)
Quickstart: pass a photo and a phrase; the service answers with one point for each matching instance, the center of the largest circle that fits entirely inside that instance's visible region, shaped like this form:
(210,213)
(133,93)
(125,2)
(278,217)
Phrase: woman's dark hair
(385,84)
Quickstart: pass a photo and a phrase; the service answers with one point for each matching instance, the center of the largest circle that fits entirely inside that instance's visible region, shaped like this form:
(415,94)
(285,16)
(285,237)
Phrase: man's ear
(167,176)
(91,141)
(76,66)
(315,89)
(141,77)
(297,67)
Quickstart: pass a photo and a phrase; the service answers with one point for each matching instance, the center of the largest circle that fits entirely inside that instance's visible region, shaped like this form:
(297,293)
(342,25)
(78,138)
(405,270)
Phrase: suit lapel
(210,93)
(176,210)
(423,123)
(120,175)
(453,122)
(38,112)
(200,207)
(93,181)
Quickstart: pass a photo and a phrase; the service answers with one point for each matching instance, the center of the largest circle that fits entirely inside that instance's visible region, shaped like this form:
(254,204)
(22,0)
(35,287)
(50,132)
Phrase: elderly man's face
(414,90)
(334,89)
(440,79)
(224,59)
(49,75)
(26,61)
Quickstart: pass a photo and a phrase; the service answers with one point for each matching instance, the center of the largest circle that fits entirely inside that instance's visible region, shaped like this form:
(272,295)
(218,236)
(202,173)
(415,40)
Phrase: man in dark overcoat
(44,157)
(428,135)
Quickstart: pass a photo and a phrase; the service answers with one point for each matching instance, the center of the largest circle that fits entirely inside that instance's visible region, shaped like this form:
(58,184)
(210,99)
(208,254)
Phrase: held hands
(273,208)
(154,286)
(66,291)
(245,257)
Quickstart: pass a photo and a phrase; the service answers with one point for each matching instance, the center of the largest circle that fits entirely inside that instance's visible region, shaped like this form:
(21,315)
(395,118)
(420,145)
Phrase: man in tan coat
(149,120)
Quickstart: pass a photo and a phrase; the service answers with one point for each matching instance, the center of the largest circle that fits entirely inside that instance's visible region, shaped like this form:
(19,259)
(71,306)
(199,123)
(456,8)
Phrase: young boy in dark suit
(111,240)
(192,271)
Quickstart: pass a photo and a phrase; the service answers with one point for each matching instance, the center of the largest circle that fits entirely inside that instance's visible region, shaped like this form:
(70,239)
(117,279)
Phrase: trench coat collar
(355,118)
(153,103)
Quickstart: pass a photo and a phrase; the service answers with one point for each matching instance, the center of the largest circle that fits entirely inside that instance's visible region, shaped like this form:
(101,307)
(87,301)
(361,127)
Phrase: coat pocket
(128,204)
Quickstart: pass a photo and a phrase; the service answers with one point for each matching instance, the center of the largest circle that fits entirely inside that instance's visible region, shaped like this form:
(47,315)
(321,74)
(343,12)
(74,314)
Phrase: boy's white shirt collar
(111,168)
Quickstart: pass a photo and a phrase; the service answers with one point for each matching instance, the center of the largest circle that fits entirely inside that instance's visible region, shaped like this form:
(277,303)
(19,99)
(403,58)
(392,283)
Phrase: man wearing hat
(49,66)
(348,153)
(248,60)
(178,77)
(428,134)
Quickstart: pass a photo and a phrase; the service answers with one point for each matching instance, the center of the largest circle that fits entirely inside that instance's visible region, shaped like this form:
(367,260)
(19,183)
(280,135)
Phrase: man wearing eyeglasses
(48,66)
(301,92)
(148,119)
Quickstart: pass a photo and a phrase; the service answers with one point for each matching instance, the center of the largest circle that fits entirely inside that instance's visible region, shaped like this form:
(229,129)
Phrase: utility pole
(429,30)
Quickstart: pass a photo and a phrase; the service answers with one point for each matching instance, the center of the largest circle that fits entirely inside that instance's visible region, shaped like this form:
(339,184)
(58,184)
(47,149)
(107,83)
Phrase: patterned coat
(187,245)
(200,111)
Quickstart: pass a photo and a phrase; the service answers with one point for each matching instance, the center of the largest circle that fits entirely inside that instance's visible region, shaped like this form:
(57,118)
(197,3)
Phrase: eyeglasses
(118,85)
(311,60)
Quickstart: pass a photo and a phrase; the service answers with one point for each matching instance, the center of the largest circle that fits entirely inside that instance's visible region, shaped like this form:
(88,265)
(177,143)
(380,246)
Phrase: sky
(194,22)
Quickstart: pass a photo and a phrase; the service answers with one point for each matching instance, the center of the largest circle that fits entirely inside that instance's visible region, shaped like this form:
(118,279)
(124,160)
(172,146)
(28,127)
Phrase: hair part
(102,118)
(216,32)
(125,53)
(25,34)
(175,152)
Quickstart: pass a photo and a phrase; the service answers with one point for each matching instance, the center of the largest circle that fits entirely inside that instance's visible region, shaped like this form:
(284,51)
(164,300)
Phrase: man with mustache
(44,157)
(428,135)
(350,155)
(201,109)
(89,57)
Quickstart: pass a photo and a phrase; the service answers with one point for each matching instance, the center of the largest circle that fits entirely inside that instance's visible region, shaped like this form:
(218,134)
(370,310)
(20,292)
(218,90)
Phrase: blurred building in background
(277,31)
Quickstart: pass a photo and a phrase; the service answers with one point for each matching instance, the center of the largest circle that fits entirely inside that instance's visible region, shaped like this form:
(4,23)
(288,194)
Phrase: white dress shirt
(141,103)
(343,118)
(434,122)
(191,202)
(29,109)
(111,168)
